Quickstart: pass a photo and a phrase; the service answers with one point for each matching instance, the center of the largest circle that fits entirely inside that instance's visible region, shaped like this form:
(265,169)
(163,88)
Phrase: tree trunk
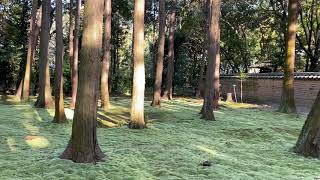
(71,37)
(19,90)
(83,146)
(172,19)
(137,106)
(314,62)
(44,99)
(105,103)
(75,56)
(213,57)
(159,66)
(59,116)
(217,76)
(287,104)
(30,53)
(308,143)
(200,81)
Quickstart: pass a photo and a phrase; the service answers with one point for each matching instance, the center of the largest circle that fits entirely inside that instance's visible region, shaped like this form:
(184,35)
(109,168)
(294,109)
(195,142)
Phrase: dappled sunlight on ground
(37,142)
(246,142)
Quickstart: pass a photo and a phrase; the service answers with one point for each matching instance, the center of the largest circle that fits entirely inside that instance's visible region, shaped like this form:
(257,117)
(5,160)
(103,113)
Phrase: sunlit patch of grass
(235,105)
(37,142)
(12,143)
(245,142)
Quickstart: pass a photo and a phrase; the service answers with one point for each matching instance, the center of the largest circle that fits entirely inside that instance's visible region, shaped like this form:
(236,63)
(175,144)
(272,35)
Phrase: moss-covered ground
(245,142)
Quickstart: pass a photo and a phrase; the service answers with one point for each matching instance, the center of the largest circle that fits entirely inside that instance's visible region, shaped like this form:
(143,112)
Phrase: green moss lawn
(244,143)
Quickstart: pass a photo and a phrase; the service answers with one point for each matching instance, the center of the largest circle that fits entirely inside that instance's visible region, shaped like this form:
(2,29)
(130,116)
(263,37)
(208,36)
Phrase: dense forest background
(253,32)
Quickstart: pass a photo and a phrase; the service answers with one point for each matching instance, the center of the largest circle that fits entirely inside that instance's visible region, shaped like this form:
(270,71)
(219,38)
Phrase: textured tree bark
(30,53)
(23,41)
(137,105)
(19,90)
(44,99)
(287,104)
(59,116)
(216,81)
(172,19)
(105,102)
(156,102)
(83,146)
(75,56)
(213,57)
(308,143)
(71,37)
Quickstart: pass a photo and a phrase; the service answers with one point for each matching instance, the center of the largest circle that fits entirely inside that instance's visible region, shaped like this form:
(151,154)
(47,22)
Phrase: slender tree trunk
(213,57)
(30,54)
(23,91)
(217,76)
(314,62)
(105,103)
(75,56)
(168,92)
(71,37)
(287,100)
(200,81)
(59,116)
(159,66)
(83,146)
(201,85)
(23,41)
(137,106)
(44,99)
(308,143)
(19,90)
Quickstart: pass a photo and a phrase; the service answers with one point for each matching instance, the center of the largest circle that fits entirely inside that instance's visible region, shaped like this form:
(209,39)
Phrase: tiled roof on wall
(303,75)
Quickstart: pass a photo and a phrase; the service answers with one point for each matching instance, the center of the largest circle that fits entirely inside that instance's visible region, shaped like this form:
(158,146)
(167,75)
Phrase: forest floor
(246,142)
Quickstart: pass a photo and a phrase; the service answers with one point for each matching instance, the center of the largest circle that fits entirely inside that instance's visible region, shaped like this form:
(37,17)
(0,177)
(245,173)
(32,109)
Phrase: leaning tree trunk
(172,19)
(105,102)
(83,146)
(71,37)
(44,99)
(308,143)
(59,116)
(287,104)
(159,66)
(137,105)
(30,54)
(74,71)
(213,57)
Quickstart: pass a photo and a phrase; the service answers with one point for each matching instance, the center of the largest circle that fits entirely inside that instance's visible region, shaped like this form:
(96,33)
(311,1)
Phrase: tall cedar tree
(105,102)
(83,146)
(200,89)
(44,99)
(172,20)
(23,41)
(159,64)
(71,37)
(59,116)
(75,62)
(23,91)
(308,143)
(30,54)
(213,57)
(137,104)
(287,104)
